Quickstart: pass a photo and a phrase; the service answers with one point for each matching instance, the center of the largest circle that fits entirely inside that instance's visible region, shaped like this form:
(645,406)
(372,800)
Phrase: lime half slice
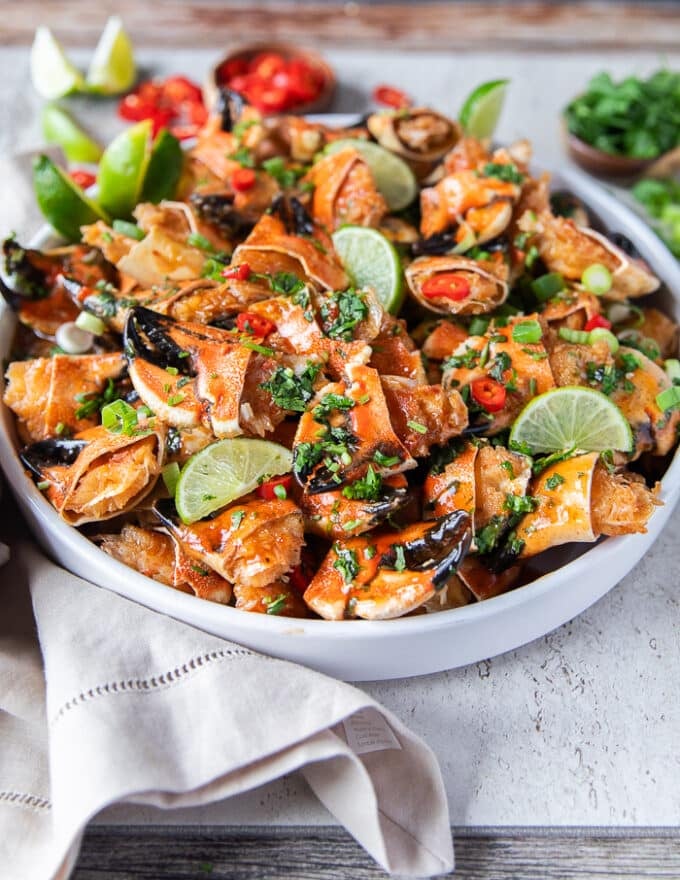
(482,108)
(123,168)
(65,205)
(52,74)
(572,417)
(61,129)
(371,261)
(112,69)
(164,169)
(225,471)
(392,176)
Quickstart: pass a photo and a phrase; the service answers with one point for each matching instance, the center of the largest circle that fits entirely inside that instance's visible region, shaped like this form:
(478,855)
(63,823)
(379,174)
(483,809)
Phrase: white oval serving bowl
(367,650)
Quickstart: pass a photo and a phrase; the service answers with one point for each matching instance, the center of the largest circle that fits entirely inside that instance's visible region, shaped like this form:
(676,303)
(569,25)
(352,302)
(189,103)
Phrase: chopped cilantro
(244,157)
(342,312)
(554,480)
(520,503)
(329,403)
(366,488)
(346,563)
(507,172)
(290,391)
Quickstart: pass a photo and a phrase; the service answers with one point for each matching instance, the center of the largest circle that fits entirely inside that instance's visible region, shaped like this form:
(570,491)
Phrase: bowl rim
(211,614)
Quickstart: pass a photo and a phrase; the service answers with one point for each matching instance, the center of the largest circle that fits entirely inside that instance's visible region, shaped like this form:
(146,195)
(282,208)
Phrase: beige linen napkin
(132,706)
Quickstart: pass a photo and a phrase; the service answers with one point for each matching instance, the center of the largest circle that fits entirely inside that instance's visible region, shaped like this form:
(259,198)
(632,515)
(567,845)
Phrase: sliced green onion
(547,286)
(578,337)
(478,326)
(170,474)
(280,492)
(604,335)
(119,417)
(124,227)
(669,398)
(531,257)
(597,279)
(469,240)
(91,323)
(43,484)
(527,332)
(417,426)
(200,241)
(673,370)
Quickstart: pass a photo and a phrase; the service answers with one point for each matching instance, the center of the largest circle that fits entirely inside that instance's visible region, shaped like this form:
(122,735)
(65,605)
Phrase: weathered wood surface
(441,25)
(168,853)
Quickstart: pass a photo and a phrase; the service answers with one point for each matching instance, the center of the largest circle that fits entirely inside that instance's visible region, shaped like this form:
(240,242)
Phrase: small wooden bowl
(601,164)
(288,51)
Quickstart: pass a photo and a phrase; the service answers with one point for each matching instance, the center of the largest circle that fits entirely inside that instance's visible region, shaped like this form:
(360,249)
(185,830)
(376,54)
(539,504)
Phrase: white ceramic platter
(366,650)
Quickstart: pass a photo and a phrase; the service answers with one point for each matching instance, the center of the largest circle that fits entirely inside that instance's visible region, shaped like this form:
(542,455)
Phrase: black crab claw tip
(440,549)
(229,105)
(48,453)
(292,214)
(147,334)
(165,510)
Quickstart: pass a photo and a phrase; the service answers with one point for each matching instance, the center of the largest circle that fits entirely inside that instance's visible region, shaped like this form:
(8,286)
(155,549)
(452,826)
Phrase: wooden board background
(443,25)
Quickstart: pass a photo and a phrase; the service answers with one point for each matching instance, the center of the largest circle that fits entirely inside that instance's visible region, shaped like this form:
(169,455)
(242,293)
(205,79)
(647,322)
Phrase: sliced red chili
(256,325)
(82,178)
(240,272)
(598,321)
(446,285)
(268,490)
(267,64)
(488,393)
(176,89)
(391,97)
(242,179)
(301,576)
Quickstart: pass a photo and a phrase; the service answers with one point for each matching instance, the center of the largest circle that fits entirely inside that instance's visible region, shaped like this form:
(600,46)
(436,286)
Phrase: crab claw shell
(563,513)
(569,249)
(251,543)
(98,475)
(159,556)
(420,136)
(488,289)
(271,235)
(390,574)
(345,191)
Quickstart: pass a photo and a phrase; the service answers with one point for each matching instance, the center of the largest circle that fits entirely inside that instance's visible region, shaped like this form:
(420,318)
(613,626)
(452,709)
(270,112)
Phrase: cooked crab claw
(389,574)
(345,191)
(251,543)
(98,474)
(421,136)
(481,285)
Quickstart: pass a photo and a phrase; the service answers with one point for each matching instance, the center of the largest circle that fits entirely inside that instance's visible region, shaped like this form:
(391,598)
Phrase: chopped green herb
(346,563)
(385,461)
(507,172)
(366,488)
(554,480)
(276,606)
(520,503)
(200,241)
(400,559)
(131,230)
(285,177)
(119,417)
(244,157)
(237,518)
(292,392)
(280,492)
(342,312)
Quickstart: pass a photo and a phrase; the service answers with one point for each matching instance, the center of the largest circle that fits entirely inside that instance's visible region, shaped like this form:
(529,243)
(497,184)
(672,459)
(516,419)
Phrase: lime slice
(65,205)
(224,471)
(571,417)
(61,129)
(112,69)
(122,169)
(393,177)
(482,108)
(52,74)
(371,261)
(164,169)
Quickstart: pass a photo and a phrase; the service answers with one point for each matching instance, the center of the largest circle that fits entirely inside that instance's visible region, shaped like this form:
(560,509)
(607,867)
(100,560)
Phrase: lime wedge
(61,129)
(224,471)
(482,108)
(393,177)
(52,74)
(370,260)
(112,69)
(164,169)
(123,168)
(65,205)
(572,417)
